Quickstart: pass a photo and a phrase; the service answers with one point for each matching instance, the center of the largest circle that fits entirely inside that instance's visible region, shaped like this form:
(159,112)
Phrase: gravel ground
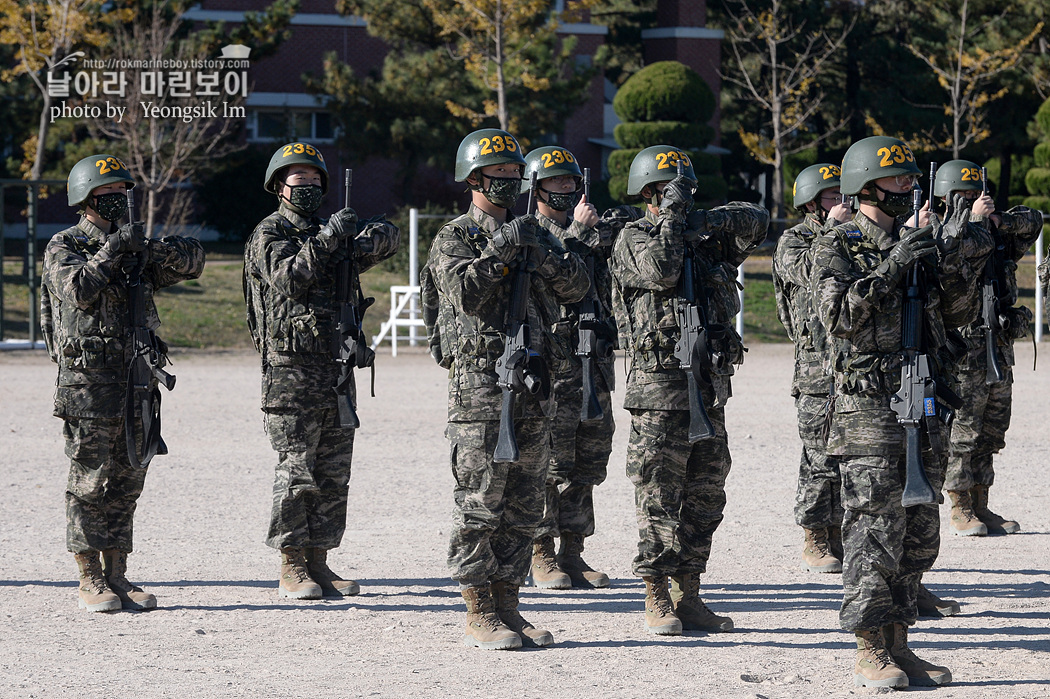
(221,630)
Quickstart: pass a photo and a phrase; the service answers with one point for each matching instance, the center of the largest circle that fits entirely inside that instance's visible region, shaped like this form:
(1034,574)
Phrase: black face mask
(562,201)
(112,206)
(502,191)
(306,198)
(895,204)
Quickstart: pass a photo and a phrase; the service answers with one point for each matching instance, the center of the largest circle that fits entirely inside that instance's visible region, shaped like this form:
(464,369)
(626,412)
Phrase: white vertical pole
(740,292)
(413,269)
(1038,290)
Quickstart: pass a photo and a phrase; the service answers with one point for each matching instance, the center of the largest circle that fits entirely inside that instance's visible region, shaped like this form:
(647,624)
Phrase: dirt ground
(221,630)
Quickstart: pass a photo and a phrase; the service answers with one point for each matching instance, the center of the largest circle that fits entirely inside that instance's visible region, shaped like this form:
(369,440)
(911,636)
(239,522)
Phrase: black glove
(339,254)
(696,226)
(915,244)
(342,225)
(512,236)
(678,196)
(131,237)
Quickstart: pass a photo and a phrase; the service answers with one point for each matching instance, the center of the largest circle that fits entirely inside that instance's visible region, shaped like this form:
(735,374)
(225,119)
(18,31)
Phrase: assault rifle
(519,368)
(142,396)
(592,336)
(916,402)
(991,323)
(692,350)
(349,346)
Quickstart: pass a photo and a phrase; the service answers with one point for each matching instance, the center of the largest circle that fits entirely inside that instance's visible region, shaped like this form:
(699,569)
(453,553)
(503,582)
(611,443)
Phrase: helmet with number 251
(95,171)
(873,158)
(297,153)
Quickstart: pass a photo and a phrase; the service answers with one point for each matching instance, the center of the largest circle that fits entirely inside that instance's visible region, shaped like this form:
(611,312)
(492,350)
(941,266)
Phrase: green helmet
(550,161)
(486,147)
(812,181)
(297,153)
(95,171)
(874,157)
(956,176)
(657,164)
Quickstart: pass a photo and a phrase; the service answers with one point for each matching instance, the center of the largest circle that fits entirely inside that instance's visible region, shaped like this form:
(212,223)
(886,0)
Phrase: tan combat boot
(505,594)
(929,604)
(660,618)
(920,673)
(691,610)
(332,585)
(570,560)
(964,520)
(545,571)
(995,523)
(875,666)
(115,567)
(817,556)
(484,627)
(296,582)
(94,594)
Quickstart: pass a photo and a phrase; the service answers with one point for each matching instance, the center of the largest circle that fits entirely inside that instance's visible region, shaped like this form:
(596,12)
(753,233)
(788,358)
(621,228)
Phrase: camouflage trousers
(579,458)
(497,506)
(818,499)
(886,547)
(679,489)
(103,487)
(312,478)
(979,428)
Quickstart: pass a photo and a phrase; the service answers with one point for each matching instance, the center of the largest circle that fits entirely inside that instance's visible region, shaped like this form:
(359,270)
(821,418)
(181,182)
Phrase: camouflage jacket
(861,306)
(792,264)
(646,263)
(1020,228)
(473,290)
(84,309)
(290,284)
(579,239)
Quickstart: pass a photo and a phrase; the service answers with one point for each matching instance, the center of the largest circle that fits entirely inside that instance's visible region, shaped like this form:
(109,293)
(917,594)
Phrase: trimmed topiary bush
(642,134)
(1037,180)
(665,91)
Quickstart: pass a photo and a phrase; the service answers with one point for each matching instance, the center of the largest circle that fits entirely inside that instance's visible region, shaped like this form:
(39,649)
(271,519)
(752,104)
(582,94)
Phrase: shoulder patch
(853,233)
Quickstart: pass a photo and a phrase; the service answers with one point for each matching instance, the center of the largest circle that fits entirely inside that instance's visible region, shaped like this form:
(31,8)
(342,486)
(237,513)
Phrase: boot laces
(821,542)
(545,553)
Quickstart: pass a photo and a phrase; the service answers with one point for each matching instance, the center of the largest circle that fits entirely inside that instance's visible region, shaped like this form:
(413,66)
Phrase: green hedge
(1040,203)
(1042,118)
(665,91)
(1042,154)
(642,134)
(1038,181)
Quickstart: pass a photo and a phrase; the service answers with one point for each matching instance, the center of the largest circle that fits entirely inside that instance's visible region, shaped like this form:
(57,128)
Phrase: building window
(285,125)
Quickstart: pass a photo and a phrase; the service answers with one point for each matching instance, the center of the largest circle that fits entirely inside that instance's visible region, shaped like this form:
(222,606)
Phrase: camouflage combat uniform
(818,503)
(679,487)
(980,425)
(290,289)
(886,547)
(84,313)
(498,506)
(579,450)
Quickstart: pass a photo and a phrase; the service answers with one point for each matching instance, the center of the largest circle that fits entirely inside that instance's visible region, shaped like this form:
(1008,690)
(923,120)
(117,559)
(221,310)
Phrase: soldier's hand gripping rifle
(915,403)
(349,345)
(692,350)
(592,335)
(519,368)
(990,322)
(142,396)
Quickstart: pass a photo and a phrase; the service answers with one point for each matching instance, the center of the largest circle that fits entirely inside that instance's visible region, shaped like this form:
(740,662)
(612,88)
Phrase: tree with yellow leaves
(778,55)
(965,69)
(46,34)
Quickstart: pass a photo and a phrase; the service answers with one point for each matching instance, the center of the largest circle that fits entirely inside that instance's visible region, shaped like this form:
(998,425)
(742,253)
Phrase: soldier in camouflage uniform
(818,506)
(979,429)
(679,485)
(579,449)
(466,288)
(290,263)
(860,270)
(85,318)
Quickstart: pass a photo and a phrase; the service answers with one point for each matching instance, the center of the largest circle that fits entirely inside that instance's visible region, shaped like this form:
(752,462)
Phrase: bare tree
(776,62)
(165,153)
(964,69)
